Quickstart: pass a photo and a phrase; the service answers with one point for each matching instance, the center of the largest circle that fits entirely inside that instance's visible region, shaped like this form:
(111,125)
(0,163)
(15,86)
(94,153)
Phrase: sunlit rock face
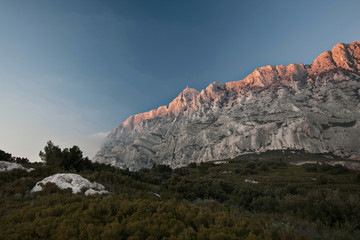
(313,107)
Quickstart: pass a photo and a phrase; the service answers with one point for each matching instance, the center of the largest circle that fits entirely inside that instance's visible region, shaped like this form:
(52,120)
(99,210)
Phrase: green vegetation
(204,201)
(4,156)
(66,159)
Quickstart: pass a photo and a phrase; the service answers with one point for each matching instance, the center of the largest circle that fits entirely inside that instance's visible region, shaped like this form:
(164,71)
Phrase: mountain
(312,107)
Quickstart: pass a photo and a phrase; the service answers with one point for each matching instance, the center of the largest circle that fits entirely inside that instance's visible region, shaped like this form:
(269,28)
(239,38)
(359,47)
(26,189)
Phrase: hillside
(254,197)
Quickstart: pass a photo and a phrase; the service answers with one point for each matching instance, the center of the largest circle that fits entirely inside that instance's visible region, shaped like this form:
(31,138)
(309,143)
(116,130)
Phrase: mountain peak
(189,92)
(184,101)
(346,56)
(267,75)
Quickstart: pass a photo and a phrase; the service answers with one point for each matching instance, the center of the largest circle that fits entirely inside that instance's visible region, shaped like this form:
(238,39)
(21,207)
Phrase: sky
(72,70)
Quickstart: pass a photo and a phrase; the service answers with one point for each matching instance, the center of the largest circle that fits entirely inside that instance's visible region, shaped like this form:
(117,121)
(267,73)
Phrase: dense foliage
(66,159)
(205,201)
(4,156)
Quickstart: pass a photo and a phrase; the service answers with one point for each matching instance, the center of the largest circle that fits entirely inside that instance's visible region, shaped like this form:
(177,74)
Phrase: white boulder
(73,181)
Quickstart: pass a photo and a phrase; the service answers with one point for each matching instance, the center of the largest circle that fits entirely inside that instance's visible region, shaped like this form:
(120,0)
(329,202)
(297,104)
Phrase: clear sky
(72,70)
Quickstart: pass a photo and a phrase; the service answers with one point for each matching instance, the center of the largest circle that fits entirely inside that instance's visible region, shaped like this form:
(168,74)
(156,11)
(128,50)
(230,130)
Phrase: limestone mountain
(312,107)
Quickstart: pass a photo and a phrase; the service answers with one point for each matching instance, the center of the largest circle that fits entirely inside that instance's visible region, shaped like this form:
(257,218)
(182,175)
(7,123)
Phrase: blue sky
(70,71)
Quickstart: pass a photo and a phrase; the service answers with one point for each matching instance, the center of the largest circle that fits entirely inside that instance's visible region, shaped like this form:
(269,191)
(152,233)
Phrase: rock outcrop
(8,166)
(313,107)
(73,181)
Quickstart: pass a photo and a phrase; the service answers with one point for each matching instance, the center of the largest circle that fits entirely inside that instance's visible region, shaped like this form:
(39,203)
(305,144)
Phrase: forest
(262,196)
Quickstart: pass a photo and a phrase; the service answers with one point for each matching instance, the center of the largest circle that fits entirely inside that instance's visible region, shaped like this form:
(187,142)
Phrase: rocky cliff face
(313,107)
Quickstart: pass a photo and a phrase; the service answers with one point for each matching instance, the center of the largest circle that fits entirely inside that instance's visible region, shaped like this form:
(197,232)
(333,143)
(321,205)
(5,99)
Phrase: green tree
(52,155)
(72,158)
(4,156)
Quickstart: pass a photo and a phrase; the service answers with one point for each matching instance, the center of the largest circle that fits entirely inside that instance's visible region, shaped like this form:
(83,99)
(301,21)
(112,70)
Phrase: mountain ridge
(339,56)
(340,64)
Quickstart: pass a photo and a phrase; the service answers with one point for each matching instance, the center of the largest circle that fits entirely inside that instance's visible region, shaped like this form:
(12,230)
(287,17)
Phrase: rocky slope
(313,107)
